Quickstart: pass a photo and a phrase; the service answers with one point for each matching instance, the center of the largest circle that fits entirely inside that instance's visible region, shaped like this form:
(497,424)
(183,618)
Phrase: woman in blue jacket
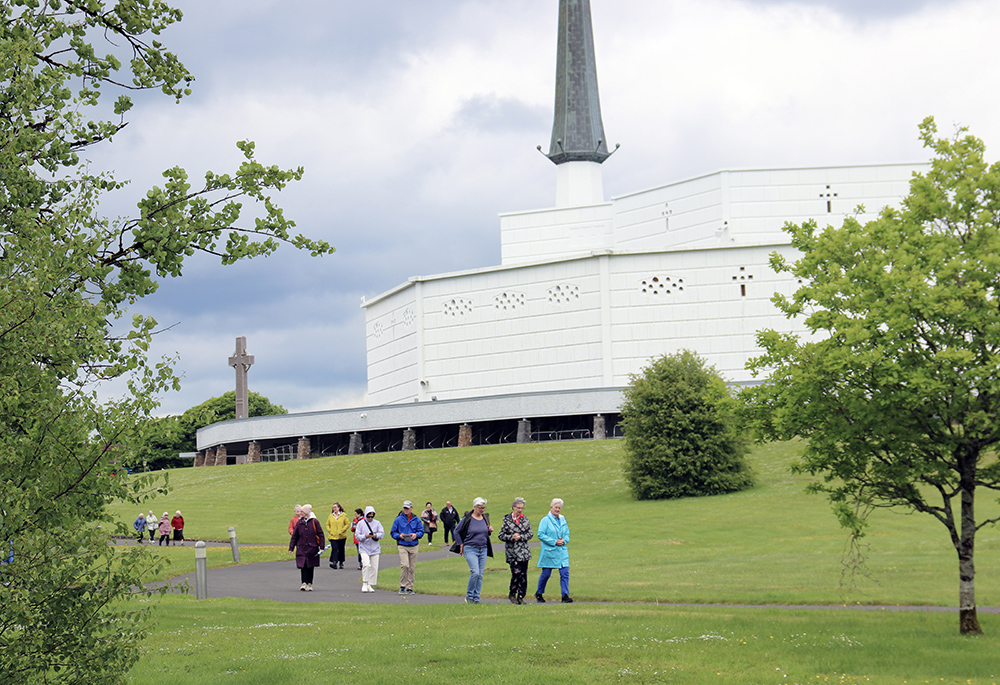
(553,533)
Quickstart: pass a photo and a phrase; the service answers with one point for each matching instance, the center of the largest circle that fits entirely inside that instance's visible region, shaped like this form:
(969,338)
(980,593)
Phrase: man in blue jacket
(407,530)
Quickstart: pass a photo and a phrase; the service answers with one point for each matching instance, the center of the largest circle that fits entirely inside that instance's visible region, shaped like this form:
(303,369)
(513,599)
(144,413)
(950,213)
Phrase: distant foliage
(680,434)
(163,438)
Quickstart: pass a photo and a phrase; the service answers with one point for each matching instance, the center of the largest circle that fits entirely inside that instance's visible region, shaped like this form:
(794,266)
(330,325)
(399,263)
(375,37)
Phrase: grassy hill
(773,544)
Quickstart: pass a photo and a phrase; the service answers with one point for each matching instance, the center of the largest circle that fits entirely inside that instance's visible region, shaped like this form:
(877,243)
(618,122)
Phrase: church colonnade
(521,431)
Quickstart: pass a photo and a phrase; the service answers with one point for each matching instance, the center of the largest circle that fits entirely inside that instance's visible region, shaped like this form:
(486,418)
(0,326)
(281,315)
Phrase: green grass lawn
(773,544)
(268,643)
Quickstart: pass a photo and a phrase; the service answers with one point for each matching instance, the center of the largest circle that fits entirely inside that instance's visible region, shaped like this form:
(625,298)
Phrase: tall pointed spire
(577,132)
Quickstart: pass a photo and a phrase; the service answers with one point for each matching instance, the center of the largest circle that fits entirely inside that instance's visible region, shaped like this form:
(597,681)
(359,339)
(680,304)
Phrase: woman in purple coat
(307,542)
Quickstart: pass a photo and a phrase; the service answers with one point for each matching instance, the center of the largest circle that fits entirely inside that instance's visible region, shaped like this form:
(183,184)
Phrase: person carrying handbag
(472,538)
(430,521)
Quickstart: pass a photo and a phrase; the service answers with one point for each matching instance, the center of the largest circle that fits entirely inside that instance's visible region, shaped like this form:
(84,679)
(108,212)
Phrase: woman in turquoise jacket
(553,533)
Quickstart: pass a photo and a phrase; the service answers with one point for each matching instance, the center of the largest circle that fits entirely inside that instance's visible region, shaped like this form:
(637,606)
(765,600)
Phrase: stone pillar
(599,433)
(253,452)
(220,455)
(524,431)
(210,457)
(409,440)
(304,449)
(354,446)
(199,458)
(465,435)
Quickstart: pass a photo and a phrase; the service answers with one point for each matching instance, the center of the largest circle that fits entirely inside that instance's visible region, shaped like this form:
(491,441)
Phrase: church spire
(577,132)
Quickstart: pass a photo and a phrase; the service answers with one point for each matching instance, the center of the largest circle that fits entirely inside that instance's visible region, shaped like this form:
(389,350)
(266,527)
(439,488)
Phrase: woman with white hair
(307,542)
(473,539)
(553,533)
(515,531)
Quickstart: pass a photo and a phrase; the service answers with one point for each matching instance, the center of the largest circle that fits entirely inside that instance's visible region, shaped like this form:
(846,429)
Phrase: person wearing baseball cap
(407,530)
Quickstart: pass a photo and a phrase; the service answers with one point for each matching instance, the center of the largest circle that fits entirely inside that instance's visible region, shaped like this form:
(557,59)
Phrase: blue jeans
(476,558)
(543,578)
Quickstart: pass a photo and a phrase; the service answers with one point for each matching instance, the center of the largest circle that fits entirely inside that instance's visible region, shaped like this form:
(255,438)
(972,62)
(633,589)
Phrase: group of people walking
(148,523)
(472,540)
(308,542)
(472,534)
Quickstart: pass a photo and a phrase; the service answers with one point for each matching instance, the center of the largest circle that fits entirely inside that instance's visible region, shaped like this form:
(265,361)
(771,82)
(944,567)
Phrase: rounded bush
(681,438)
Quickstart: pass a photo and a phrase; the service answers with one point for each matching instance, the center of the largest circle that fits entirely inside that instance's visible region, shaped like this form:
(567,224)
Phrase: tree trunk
(968,619)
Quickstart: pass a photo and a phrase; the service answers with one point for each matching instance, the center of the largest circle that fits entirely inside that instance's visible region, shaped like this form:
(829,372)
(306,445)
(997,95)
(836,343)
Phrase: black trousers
(449,529)
(337,550)
(306,572)
(519,578)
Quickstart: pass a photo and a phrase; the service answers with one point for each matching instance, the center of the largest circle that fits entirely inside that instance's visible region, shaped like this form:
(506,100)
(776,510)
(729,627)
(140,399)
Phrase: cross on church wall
(828,195)
(242,362)
(742,277)
(666,215)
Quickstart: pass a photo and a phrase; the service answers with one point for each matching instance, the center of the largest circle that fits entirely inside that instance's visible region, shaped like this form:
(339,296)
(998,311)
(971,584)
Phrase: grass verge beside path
(250,642)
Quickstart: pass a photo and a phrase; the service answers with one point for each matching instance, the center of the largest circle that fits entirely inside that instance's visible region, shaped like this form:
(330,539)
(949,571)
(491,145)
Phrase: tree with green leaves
(897,390)
(163,438)
(69,280)
(681,438)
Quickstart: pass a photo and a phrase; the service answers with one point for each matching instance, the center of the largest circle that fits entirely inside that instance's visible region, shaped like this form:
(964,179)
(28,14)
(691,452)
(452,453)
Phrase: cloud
(417,123)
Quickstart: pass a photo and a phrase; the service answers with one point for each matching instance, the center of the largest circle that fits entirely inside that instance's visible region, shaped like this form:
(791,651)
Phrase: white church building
(587,292)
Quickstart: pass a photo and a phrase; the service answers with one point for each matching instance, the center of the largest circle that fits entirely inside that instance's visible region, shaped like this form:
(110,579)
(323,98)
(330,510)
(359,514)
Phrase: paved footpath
(279,580)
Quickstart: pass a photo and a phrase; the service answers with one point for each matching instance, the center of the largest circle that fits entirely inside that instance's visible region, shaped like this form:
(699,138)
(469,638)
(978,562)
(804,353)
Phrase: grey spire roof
(577,132)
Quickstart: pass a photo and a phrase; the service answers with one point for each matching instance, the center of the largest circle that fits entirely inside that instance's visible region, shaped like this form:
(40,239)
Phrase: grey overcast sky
(417,123)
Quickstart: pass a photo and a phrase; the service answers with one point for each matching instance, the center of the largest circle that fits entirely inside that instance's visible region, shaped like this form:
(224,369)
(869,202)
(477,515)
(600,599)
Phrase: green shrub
(681,438)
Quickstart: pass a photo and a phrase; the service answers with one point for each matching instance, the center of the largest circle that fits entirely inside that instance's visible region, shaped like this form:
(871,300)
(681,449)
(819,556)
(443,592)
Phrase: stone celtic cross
(242,362)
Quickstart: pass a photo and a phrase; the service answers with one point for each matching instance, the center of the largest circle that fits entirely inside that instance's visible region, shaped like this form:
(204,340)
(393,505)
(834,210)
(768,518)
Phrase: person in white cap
(369,532)
(407,530)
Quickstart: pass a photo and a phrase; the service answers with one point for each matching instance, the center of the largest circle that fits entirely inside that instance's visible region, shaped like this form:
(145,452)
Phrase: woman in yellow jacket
(338,527)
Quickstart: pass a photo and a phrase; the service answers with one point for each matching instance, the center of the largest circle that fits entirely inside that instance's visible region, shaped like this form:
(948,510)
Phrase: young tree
(67,276)
(680,433)
(898,391)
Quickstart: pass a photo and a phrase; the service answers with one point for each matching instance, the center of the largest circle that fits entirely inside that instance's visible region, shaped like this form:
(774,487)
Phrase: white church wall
(574,324)
(711,301)
(726,208)
(678,215)
(762,201)
(546,234)
(510,330)
(392,344)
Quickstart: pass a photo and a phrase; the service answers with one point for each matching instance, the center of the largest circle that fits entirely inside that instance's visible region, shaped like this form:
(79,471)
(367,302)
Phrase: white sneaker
(302,587)
(366,588)
(309,587)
